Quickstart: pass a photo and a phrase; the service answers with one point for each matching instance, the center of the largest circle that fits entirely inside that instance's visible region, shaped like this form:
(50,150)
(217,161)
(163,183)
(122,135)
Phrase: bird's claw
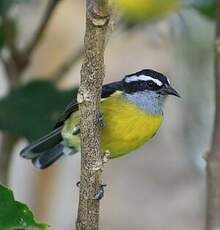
(101,120)
(78,184)
(100,194)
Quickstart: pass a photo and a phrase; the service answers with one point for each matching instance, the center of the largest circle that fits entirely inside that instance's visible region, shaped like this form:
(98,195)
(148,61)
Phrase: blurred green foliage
(15,215)
(8,32)
(207,8)
(33,109)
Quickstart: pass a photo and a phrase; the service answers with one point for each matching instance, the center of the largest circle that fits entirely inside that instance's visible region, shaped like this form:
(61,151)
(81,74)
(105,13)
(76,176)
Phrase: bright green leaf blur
(14,214)
(32,110)
(144,10)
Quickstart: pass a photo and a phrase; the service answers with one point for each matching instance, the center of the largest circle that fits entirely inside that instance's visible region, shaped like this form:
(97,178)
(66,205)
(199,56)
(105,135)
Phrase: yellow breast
(126,126)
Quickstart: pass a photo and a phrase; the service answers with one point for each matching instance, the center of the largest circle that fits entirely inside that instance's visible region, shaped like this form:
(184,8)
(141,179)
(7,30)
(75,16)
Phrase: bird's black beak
(168,90)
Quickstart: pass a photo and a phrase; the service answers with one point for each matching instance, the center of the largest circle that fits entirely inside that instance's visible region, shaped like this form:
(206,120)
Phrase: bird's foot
(100,120)
(100,194)
(78,184)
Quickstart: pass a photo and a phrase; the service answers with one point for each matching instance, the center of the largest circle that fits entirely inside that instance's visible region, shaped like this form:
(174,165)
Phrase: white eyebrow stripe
(143,78)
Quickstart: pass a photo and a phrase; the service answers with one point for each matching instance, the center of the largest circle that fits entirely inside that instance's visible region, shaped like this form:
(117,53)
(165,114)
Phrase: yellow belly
(125,127)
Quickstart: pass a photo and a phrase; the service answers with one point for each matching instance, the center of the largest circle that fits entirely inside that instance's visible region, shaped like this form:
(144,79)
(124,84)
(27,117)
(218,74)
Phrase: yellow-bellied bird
(132,111)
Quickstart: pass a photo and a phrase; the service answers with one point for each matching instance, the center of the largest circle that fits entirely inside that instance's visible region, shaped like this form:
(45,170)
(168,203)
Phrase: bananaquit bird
(132,113)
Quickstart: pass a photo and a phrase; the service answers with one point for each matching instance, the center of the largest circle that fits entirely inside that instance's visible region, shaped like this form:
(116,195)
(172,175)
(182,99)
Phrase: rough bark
(92,75)
(213,164)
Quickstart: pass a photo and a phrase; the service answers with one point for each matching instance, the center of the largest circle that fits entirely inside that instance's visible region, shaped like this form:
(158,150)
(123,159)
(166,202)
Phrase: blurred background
(160,186)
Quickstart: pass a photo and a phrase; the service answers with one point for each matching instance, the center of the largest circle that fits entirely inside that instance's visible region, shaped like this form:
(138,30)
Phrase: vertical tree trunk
(92,75)
(213,164)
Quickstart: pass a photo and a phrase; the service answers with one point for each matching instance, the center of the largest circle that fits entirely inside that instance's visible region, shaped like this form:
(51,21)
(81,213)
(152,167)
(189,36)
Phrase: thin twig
(18,60)
(7,25)
(66,66)
(92,75)
(42,28)
(7,144)
(213,161)
(11,72)
(15,62)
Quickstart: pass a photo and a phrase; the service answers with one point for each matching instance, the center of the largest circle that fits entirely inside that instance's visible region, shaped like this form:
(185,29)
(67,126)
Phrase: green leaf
(33,109)
(15,215)
(6,4)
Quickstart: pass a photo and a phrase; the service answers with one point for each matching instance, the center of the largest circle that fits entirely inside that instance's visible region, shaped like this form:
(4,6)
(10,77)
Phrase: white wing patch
(143,78)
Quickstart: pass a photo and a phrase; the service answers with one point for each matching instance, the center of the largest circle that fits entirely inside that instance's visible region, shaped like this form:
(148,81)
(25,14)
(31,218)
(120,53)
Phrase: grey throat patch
(148,101)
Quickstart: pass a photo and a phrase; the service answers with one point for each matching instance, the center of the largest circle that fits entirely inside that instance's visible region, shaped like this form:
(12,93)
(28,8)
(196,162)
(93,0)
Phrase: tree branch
(92,75)
(41,29)
(213,164)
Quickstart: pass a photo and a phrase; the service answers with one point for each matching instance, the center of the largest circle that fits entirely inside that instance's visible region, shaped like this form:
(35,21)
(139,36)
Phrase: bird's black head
(148,79)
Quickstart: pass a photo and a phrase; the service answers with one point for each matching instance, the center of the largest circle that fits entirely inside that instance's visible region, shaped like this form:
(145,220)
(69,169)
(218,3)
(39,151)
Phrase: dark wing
(107,90)
(110,88)
(72,107)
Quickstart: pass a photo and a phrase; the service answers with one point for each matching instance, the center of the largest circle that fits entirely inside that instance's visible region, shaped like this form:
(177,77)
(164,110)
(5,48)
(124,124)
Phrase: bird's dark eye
(150,84)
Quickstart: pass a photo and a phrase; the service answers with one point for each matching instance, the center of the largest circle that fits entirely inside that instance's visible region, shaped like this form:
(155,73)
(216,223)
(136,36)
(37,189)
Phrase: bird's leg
(100,120)
(100,194)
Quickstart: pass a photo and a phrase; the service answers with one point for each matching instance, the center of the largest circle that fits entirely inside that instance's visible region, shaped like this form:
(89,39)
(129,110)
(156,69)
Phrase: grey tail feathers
(45,159)
(43,144)
(46,150)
